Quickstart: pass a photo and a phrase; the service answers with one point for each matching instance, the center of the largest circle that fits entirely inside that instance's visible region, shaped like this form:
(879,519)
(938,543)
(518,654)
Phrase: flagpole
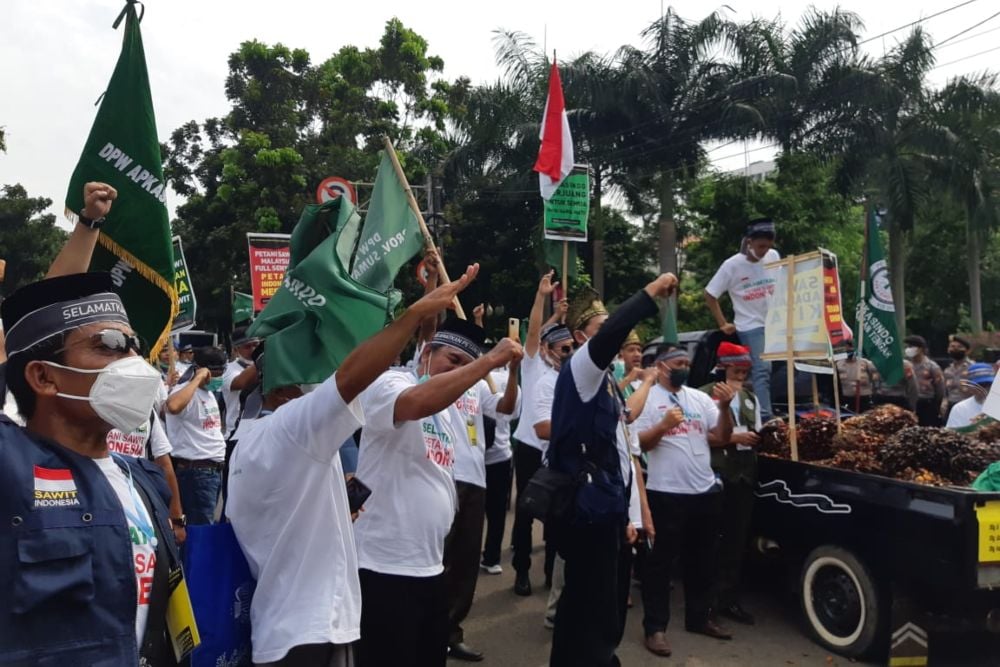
(862,305)
(428,239)
(565,269)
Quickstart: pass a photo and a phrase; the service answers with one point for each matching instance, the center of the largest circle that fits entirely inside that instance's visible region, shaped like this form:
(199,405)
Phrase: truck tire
(841,602)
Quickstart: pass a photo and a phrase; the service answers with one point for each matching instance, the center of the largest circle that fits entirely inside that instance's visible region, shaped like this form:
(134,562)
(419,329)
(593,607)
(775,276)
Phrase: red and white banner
(555,155)
(269,257)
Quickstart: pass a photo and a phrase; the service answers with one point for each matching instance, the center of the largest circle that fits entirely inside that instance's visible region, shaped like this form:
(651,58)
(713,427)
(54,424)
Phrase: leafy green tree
(29,237)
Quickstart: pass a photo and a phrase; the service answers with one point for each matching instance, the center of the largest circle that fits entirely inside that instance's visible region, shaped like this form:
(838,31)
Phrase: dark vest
(67,588)
(584,443)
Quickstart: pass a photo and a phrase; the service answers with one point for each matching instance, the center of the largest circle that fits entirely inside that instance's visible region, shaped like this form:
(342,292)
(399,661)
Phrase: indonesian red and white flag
(555,155)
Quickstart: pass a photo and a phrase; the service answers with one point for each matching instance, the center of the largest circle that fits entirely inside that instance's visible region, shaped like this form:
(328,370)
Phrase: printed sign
(566,213)
(185,291)
(269,257)
(989,532)
(334,186)
(808,325)
(833,310)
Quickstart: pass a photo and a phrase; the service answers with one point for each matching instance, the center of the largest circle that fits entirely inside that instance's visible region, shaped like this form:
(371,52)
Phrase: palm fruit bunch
(952,456)
(815,438)
(774,439)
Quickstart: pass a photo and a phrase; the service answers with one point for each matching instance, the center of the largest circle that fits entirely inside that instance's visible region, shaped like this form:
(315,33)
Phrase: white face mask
(911,352)
(123,393)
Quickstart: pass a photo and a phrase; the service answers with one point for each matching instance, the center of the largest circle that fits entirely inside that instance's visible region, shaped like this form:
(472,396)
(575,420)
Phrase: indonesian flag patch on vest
(54,487)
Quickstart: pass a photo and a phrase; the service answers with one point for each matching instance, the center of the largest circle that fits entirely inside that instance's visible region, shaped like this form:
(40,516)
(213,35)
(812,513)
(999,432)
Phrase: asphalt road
(509,630)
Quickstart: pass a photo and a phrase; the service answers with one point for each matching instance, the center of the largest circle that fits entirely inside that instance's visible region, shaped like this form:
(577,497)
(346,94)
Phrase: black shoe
(522,585)
(738,614)
(461,651)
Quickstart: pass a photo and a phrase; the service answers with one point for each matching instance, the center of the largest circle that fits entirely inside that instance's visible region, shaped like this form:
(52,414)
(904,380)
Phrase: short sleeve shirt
(749,285)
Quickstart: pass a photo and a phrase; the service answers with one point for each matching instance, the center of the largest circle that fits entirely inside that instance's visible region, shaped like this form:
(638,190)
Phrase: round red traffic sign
(334,186)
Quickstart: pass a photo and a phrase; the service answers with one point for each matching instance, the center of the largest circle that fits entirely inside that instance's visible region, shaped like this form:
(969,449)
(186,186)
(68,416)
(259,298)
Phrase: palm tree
(882,149)
(967,112)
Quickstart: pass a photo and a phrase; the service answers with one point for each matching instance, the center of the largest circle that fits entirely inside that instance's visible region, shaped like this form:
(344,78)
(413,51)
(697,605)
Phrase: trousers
(760,371)
(498,476)
(687,525)
(527,460)
(404,621)
(461,556)
(199,489)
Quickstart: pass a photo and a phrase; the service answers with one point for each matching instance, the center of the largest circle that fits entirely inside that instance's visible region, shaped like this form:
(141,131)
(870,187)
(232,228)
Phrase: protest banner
(567,211)
(186,302)
(878,338)
(269,256)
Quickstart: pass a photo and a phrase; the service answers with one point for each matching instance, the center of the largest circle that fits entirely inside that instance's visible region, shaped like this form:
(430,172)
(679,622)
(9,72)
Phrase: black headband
(457,341)
(57,318)
(761,227)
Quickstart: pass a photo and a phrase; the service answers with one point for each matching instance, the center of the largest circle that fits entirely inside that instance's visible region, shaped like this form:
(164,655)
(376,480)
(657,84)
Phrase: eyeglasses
(113,340)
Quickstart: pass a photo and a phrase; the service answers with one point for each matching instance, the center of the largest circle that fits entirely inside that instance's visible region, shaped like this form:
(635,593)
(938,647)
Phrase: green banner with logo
(566,213)
(879,339)
(187,305)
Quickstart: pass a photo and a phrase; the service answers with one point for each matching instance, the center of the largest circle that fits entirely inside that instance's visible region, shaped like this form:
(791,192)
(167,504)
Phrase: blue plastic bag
(221,587)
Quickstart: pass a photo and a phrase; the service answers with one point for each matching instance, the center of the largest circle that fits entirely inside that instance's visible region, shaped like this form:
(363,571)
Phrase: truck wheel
(840,601)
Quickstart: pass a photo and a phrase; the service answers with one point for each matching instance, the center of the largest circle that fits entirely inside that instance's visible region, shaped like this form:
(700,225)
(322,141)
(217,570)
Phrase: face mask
(850,355)
(753,255)
(678,376)
(911,352)
(123,393)
(215,384)
(957,355)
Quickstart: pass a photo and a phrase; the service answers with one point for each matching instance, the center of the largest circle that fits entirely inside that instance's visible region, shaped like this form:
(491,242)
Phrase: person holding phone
(289,506)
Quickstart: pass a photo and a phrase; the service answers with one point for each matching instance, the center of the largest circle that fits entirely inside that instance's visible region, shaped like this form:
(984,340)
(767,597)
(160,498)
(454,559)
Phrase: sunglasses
(564,349)
(113,340)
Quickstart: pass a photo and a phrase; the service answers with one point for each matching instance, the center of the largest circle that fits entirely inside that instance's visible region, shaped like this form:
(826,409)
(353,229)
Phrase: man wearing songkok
(591,441)
(977,386)
(407,457)
(736,465)
(289,506)
(86,544)
(677,429)
(748,283)
(545,347)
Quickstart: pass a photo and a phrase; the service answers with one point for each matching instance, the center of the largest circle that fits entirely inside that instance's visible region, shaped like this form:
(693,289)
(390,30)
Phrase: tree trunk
(975,287)
(897,271)
(598,217)
(668,228)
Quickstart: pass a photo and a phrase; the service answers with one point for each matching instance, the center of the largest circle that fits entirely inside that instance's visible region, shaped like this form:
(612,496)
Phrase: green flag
(123,151)
(669,327)
(319,314)
(242,307)
(391,235)
(553,257)
(878,338)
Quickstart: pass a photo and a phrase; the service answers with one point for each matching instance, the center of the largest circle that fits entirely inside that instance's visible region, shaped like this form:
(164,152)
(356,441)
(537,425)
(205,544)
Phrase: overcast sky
(58,55)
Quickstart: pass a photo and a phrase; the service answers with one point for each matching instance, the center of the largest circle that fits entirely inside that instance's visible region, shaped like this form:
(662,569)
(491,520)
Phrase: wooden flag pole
(836,391)
(793,439)
(428,239)
(565,269)
(815,389)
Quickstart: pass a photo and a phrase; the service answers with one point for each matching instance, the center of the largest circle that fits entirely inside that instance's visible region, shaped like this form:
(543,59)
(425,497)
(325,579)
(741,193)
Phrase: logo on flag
(55,487)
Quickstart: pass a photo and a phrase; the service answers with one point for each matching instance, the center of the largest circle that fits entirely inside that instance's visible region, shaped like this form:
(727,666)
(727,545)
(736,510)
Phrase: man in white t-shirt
(545,346)
(289,507)
(194,427)
(977,386)
(677,429)
(749,285)
(240,373)
(407,456)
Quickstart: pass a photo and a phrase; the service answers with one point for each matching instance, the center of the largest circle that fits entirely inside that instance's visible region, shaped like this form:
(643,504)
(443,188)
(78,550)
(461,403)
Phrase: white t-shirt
(143,549)
(289,510)
(681,461)
(134,443)
(749,286)
(196,433)
(231,396)
(408,466)
(10,409)
(964,413)
(538,385)
(470,450)
(501,451)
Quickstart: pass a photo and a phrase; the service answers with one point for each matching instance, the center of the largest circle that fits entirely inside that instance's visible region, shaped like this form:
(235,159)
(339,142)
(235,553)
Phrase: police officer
(956,372)
(85,538)
(736,465)
(859,380)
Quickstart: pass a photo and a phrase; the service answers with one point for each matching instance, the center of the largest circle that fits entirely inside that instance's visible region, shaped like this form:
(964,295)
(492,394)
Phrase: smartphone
(514,328)
(357,494)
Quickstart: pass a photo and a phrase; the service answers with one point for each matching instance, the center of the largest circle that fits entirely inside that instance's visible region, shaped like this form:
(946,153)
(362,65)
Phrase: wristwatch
(87,222)
(179,522)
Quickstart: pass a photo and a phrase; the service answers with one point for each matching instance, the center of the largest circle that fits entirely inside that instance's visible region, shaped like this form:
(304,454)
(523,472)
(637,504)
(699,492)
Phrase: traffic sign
(334,186)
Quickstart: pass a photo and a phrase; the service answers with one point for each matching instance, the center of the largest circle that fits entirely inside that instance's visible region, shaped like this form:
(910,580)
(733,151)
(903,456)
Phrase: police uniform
(858,379)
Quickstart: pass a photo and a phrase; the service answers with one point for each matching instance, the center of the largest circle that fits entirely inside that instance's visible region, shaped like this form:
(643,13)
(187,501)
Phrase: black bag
(548,496)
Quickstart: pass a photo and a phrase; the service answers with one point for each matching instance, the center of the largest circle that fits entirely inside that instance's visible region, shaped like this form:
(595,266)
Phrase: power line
(972,27)
(917,22)
(974,55)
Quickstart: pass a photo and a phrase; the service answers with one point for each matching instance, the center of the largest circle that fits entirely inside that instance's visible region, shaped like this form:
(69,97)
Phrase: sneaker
(491,569)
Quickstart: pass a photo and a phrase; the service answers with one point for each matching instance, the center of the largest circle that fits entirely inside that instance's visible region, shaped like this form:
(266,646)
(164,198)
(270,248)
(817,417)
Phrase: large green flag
(242,307)
(878,339)
(391,235)
(319,314)
(123,151)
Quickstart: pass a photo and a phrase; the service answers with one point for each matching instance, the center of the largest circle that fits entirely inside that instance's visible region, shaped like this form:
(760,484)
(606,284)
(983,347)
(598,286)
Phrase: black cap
(50,291)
